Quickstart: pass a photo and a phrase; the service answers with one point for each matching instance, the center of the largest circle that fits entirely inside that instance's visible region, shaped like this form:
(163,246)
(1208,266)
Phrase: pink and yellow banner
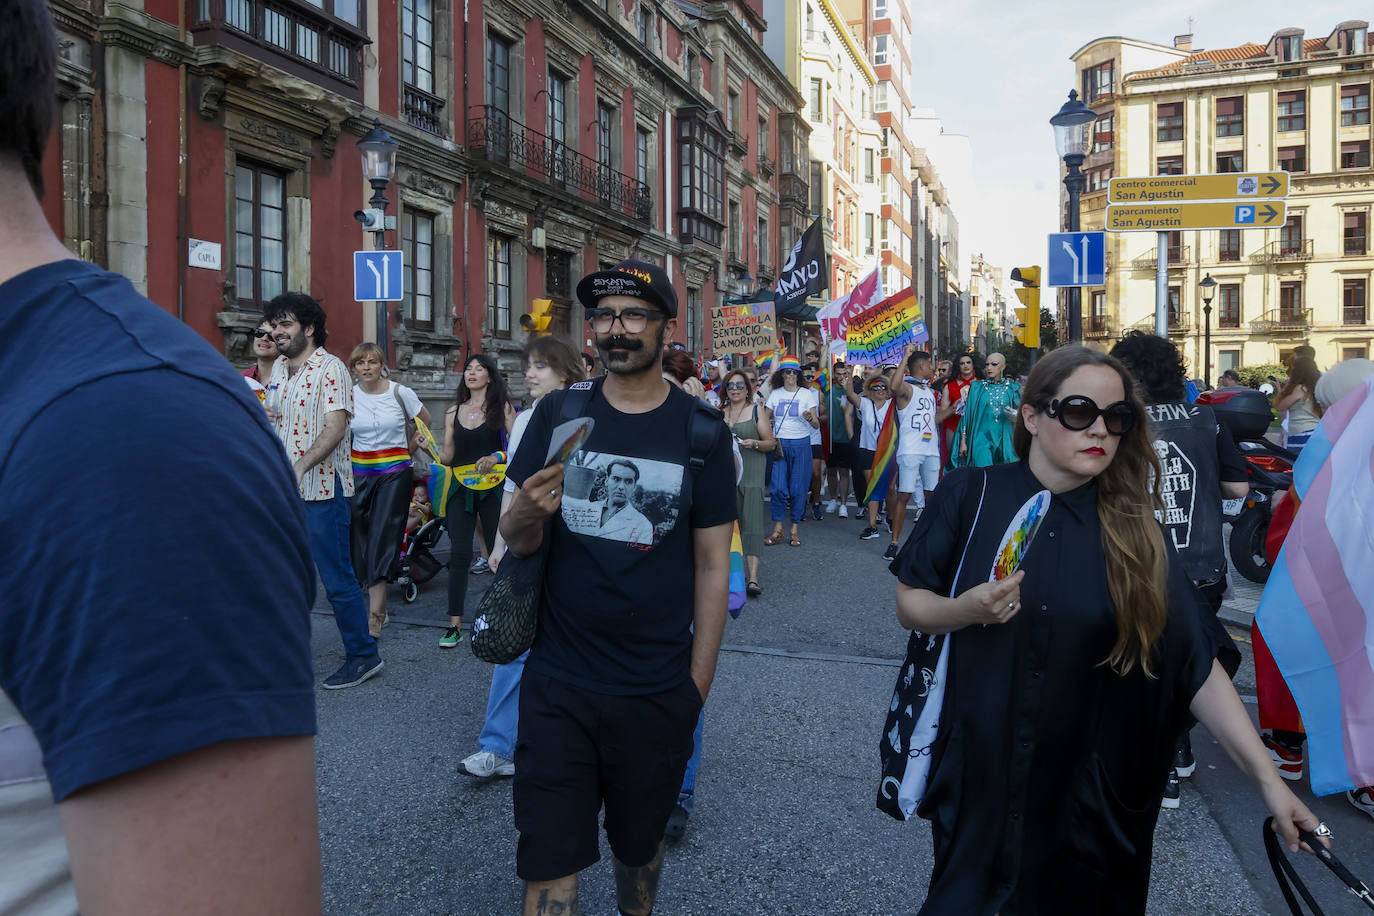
(880,335)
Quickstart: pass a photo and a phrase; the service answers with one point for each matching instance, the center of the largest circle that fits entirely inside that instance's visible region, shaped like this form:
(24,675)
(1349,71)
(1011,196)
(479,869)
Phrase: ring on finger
(1322,831)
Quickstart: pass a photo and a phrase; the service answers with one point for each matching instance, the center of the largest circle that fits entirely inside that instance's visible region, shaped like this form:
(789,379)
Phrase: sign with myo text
(377,276)
(200,253)
(1217,214)
(1173,188)
(1077,259)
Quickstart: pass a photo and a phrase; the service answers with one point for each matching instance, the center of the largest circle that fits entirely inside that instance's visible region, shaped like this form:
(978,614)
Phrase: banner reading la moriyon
(806,272)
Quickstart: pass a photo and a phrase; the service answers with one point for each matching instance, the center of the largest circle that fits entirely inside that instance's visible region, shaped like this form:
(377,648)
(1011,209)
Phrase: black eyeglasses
(260,333)
(1078,413)
(633,319)
(735,386)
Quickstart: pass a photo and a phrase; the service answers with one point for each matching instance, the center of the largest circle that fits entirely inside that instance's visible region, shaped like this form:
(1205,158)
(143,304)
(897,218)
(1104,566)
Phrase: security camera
(371,219)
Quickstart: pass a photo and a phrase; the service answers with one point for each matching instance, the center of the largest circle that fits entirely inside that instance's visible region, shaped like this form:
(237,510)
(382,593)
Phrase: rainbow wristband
(500,457)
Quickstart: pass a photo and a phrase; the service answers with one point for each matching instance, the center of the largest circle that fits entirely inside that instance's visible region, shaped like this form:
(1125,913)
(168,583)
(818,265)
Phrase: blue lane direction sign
(1077,259)
(377,276)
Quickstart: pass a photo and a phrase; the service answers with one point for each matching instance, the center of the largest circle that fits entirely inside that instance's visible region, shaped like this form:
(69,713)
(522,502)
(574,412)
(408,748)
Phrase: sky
(996,70)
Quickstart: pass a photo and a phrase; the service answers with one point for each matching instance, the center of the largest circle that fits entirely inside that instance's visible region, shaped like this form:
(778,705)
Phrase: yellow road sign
(1171,188)
(1227,214)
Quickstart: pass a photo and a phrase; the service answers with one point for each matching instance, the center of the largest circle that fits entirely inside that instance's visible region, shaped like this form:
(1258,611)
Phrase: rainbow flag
(763,359)
(884,458)
(737,581)
(382,461)
(1317,610)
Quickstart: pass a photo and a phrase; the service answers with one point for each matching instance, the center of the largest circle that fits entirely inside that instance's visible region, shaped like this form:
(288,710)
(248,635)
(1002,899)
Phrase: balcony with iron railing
(496,137)
(1354,315)
(1284,250)
(1099,326)
(1180,323)
(766,166)
(1178,256)
(1283,321)
(294,35)
(424,111)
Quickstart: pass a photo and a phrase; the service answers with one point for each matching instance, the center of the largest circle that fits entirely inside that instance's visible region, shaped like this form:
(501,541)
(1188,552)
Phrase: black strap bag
(1284,872)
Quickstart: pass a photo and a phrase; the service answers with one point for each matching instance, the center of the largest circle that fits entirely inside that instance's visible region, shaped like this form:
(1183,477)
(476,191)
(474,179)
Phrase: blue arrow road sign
(1077,259)
(377,276)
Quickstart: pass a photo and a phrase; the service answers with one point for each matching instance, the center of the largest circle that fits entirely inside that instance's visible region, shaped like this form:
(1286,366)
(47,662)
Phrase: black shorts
(578,750)
(816,452)
(842,455)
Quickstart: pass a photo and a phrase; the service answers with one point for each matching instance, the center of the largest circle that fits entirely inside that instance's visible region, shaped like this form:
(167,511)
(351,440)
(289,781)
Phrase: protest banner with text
(879,335)
(743,327)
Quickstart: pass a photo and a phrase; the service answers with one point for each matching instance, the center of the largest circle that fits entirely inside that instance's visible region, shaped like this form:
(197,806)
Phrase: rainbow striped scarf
(884,457)
(1317,610)
(382,461)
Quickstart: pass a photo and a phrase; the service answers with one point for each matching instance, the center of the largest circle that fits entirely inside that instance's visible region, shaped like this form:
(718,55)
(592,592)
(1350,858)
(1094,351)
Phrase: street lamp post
(378,150)
(1072,132)
(1209,289)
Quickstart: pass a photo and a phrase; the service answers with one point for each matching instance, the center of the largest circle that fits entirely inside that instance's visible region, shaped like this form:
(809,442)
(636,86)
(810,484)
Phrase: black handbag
(1284,872)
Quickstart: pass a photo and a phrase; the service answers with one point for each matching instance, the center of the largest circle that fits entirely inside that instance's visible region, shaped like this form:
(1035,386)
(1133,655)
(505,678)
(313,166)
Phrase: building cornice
(125,27)
(842,29)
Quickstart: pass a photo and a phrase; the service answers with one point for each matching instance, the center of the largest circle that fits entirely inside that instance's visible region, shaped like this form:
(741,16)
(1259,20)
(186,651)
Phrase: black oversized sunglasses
(260,333)
(1078,412)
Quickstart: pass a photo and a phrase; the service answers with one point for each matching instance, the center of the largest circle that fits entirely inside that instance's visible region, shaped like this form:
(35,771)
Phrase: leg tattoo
(637,888)
(552,898)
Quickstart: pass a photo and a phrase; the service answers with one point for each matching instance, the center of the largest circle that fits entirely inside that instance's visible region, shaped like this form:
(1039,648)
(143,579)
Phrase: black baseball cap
(630,278)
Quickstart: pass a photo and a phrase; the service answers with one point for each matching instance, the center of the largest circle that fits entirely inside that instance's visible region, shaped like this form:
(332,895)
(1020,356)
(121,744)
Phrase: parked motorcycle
(1245,414)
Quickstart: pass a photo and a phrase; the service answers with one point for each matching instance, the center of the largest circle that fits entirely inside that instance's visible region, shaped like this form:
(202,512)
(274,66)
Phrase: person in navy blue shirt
(156,692)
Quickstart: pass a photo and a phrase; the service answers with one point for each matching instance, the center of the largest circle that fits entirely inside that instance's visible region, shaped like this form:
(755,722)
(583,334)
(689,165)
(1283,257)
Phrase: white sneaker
(844,512)
(831,506)
(485,764)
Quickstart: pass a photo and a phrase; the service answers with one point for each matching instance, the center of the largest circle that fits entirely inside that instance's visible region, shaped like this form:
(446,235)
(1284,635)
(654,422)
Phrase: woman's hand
(1289,814)
(993,602)
(485,463)
(809,416)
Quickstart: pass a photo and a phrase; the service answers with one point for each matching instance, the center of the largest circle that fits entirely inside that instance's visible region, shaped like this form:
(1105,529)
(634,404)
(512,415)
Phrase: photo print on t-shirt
(630,500)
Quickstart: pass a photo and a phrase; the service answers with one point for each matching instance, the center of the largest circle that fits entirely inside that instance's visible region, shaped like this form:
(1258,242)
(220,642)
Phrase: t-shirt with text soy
(619,592)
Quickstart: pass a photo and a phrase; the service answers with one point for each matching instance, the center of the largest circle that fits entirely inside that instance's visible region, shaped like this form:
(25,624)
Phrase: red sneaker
(1287,759)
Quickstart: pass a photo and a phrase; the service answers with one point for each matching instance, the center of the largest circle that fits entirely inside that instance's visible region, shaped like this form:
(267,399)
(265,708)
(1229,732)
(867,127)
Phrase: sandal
(753,589)
(773,539)
(795,542)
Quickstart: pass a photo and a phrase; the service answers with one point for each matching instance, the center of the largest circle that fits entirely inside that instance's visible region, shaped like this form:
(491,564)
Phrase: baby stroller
(416,563)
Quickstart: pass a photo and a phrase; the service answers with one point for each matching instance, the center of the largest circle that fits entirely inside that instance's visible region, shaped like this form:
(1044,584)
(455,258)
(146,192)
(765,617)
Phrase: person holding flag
(877,448)
(794,410)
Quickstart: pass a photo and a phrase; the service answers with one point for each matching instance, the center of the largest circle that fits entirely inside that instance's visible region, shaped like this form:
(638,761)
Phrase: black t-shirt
(1049,767)
(619,592)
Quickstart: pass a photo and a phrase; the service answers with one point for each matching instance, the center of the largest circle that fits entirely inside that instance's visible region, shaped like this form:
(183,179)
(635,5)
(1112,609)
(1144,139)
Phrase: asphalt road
(784,822)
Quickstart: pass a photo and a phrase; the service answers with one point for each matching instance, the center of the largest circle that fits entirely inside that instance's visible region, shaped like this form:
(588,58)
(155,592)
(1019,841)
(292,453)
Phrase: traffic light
(1028,313)
(537,318)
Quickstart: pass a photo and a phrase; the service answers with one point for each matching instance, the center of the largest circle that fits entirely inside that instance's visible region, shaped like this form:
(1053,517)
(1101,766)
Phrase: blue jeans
(791,479)
(687,797)
(503,709)
(327,520)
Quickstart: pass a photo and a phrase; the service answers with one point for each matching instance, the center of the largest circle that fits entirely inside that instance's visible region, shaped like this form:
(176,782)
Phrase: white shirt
(517,432)
(787,407)
(916,430)
(304,400)
(871,420)
(377,419)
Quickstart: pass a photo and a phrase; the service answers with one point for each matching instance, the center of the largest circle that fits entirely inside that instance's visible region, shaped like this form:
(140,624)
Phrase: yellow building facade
(1294,103)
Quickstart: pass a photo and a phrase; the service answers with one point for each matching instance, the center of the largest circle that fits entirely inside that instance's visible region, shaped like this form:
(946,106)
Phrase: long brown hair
(1137,565)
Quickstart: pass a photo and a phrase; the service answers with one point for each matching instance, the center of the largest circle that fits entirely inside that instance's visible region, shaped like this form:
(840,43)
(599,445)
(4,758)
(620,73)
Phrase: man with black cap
(628,631)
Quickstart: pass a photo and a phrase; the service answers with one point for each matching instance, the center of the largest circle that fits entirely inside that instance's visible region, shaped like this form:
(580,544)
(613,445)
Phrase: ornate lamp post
(1208,286)
(378,150)
(1072,136)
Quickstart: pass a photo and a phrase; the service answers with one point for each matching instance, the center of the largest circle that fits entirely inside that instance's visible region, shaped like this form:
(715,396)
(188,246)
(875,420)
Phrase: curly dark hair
(305,309)
(28,85)
(1156,364)
(494,409)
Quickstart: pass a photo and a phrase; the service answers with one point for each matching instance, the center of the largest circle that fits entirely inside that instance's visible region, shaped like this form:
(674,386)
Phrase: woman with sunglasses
(793,409)
(752,426)
(1069,680)
(872,412)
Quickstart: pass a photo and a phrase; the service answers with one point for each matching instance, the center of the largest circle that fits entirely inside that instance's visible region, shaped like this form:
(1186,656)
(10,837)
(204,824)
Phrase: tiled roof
(1224,56)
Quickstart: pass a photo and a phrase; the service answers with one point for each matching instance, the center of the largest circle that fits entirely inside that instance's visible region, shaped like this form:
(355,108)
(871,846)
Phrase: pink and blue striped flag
(1317,610)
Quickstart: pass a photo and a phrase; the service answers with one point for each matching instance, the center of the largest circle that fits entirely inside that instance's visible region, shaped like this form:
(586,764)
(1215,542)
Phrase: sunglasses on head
(1078,413)
(260,333)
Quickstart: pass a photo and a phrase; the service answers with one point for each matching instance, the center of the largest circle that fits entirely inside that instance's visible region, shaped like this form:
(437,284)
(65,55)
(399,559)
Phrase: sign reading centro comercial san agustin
(1160,203)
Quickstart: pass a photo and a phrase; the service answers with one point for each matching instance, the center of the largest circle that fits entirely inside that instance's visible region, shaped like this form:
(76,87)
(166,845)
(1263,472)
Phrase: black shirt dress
(1049,767)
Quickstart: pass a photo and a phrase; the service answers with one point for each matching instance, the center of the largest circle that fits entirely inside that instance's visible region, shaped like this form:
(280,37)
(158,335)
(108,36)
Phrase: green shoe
(452,636)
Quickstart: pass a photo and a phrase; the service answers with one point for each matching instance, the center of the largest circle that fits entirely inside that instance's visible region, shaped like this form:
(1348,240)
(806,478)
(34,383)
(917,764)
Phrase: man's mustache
(620,343)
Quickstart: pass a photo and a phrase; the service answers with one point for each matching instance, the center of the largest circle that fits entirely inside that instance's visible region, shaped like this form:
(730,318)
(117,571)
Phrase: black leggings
(461,526)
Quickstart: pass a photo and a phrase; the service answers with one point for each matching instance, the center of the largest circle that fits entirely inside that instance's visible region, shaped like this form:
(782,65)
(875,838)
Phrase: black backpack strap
(703,426)
(578,396)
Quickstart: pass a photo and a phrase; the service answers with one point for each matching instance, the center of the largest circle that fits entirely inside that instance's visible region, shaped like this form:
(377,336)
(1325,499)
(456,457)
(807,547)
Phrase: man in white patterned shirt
(310,400)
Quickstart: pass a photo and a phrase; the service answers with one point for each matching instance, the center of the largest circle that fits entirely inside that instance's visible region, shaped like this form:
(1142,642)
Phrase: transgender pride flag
(1317,611)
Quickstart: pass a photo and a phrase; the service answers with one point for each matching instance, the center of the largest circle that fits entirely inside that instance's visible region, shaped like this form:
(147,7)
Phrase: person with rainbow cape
(983,436)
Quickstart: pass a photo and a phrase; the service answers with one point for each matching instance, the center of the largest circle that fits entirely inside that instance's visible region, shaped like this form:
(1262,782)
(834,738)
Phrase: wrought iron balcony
(1283,321)
(1284,250)
(424,110)
(1177,257)
(766,165)
(497,137)
(1099,326)
(1180,324)
(1354,315)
